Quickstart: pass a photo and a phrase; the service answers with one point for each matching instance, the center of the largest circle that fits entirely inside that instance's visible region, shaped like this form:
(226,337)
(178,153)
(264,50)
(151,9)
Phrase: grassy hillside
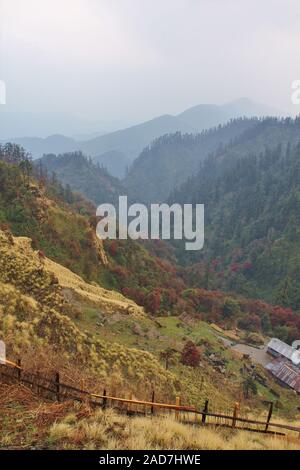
(58,315)
(51,315)
(37,313)
(57,220)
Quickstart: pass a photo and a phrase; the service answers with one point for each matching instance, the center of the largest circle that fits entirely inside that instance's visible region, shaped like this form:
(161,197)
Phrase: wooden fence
(53,389)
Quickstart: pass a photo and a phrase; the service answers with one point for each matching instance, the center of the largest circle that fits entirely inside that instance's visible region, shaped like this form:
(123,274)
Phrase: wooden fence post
(152,400)
(57,387)
(37,384)
(19,370)
(178,402)
(269,416)
(129,406)
(104,402)
(205,410)
(235,414)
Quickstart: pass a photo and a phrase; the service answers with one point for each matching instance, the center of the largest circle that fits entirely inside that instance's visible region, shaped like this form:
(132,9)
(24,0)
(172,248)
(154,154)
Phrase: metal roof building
(286,373)
(277,348)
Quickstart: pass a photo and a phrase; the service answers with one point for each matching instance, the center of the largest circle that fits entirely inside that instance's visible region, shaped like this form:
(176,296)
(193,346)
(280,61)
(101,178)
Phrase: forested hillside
(62,224)
(252,220)
(120,314)
(170,160)
(115,162)
(82,175)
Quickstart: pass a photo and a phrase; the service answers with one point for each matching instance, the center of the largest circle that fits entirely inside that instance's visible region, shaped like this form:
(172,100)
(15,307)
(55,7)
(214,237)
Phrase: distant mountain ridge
(38,146)
(205,116)
(133,140)
(129,142)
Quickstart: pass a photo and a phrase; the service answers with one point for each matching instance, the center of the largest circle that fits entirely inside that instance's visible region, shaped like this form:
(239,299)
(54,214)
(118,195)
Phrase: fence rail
(54,389)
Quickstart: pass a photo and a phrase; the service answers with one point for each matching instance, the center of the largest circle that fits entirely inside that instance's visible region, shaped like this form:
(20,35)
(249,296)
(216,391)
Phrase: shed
(286,373)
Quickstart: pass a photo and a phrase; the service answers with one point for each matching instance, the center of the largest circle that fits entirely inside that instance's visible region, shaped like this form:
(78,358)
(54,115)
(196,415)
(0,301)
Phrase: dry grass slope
(108,430)
(71,425)
(34,318)
(108,301)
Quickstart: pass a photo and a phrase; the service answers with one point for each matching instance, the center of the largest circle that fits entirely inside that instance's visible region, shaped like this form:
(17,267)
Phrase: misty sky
(131,60)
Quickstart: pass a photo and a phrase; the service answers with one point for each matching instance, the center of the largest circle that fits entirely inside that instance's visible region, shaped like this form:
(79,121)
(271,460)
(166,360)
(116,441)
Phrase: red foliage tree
(190,355)
(113,248)
(234,267)
(153,301)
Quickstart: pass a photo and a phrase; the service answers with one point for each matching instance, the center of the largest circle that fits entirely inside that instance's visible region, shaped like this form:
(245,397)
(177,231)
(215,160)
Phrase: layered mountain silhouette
(128,143)
(131,141)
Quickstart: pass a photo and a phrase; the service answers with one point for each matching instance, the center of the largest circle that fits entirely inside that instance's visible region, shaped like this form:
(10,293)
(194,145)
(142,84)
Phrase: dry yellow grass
(108,430)
(74,287)
(28,422)
(108,301)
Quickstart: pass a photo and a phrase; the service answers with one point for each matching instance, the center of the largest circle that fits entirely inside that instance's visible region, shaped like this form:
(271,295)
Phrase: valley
(128,315)
(149,232)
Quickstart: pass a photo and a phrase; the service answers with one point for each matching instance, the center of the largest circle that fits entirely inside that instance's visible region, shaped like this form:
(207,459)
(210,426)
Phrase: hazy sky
(130,60)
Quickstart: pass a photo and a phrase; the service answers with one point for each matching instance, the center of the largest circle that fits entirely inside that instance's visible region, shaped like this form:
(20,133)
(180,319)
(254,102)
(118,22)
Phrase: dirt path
(259,356)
